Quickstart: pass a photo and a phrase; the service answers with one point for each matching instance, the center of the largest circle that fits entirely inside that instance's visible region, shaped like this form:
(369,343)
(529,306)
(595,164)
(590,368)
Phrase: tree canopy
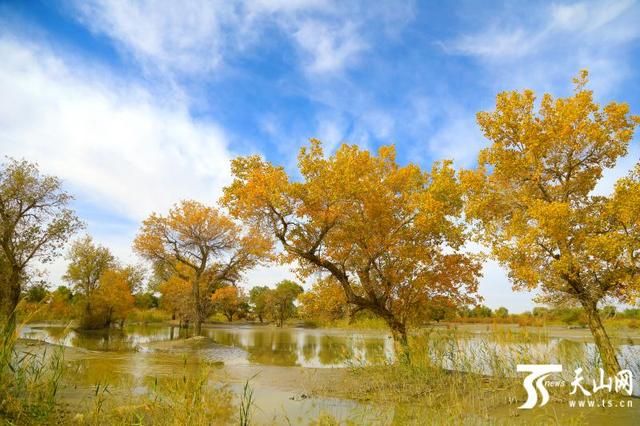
(281,300)
(533,198)
(391,235)
(258,296)
(200,245)
(325,300)
(35,223)
(87,262)
(229,300)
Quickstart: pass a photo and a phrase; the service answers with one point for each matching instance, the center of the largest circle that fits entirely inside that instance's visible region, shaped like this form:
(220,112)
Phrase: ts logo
(539,372)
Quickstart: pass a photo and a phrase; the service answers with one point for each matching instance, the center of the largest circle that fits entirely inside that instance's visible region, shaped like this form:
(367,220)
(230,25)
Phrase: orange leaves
(114,293)
(228,295)
(228,300)
(197,236)
(176,296)
(559,152)
(325,300)
(200,245)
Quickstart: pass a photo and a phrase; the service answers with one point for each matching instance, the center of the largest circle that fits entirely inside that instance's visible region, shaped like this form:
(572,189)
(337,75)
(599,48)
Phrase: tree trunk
(13,293)
(197,318)
(400,340)
(109,318)
(87,309)
(603,343)
(197,326)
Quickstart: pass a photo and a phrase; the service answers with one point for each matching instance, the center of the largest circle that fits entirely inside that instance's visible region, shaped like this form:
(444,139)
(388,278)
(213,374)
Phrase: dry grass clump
(187,400)
(31,379)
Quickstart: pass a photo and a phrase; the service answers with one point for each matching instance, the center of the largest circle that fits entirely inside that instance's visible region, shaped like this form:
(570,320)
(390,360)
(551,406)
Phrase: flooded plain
(284,366)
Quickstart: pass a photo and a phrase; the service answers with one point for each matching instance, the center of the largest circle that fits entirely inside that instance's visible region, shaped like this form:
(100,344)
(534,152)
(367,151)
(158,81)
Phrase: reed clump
(33,375)
(191,399)
(29,380)
(457,377)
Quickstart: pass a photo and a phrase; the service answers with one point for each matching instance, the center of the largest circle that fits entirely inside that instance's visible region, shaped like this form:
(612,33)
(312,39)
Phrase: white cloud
(258,7)
(589,16)
(569,16)
(328,48)
(494,43)
(118,149)
(197,36)
(331,132)
(457,137)
(572,26)
(113,143)
(182,36)
(269,275)
(497,290)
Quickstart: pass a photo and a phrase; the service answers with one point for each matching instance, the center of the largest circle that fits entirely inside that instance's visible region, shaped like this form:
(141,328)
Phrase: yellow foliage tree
(199,239)
(87,262)
(35,223)
(229,300)
(325,300)
(114,296)
(176,294)
(532,197)
(389,234)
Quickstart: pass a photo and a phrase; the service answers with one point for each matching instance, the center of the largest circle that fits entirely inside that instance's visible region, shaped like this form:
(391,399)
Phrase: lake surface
(327,348)
(283,362)
(264,345)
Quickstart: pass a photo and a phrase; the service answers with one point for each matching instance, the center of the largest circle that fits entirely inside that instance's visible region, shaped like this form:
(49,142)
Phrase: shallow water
(282,357)
(326,348)
(311,348)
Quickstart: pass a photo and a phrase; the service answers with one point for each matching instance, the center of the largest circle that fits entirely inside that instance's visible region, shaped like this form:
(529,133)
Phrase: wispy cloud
(328,48)
(120,150)
(582,24)
(180,36)
(494,43)
(198,36)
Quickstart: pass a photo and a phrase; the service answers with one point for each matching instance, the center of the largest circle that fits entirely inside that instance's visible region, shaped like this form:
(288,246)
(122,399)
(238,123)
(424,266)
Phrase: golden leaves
(531,194)
(201,246)
(377,226)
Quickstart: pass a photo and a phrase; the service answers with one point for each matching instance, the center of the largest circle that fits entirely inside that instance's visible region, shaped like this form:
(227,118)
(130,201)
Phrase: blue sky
(139,104)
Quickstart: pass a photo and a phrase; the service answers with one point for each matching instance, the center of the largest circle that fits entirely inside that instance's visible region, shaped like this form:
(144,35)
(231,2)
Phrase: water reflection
(334,348)
(261,345)
(132,338)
